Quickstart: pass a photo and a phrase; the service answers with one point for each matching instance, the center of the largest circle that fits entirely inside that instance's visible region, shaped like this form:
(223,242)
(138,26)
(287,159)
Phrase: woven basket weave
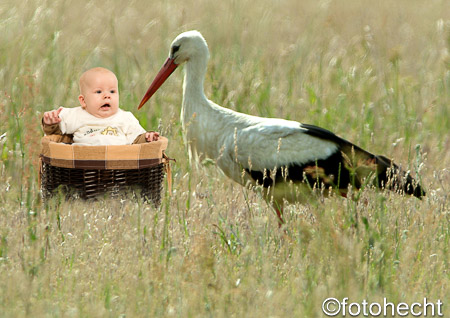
(90,171)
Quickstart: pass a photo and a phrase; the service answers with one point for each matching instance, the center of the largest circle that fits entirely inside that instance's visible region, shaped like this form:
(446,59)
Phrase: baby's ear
(82,102)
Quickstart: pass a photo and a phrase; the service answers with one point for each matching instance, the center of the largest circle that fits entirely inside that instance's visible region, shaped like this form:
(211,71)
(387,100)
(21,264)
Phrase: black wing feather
(350,164)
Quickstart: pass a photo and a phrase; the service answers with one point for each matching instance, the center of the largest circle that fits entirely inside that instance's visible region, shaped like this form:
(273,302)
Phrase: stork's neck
(206,125)
(194,78)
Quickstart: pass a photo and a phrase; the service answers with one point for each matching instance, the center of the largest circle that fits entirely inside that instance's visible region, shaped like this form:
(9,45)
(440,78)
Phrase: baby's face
(100,94)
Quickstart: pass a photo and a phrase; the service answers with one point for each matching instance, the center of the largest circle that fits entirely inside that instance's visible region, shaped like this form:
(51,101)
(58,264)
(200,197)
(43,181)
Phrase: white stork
(269,152)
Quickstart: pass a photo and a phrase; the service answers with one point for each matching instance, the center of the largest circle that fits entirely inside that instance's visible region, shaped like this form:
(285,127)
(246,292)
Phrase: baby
(99,120)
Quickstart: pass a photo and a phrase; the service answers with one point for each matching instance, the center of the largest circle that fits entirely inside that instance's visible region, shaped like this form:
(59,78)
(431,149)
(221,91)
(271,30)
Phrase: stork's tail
(360,164)
(387,174)
(391,177)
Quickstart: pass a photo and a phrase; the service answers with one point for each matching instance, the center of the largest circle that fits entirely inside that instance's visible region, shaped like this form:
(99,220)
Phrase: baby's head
(99,92)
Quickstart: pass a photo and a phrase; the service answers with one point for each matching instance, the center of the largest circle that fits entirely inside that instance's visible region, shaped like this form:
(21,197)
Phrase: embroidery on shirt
(90,131)
(110,131)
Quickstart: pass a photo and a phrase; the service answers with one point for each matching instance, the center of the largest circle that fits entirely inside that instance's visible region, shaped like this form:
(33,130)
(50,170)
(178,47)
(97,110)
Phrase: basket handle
(168,170)
(41,164)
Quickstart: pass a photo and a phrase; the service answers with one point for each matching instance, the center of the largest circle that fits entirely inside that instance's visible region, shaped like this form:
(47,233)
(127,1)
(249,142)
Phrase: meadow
(374,72)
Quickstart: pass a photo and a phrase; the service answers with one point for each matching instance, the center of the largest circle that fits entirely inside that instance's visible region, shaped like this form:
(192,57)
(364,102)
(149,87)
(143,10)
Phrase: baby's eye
(112,91)
(98,91)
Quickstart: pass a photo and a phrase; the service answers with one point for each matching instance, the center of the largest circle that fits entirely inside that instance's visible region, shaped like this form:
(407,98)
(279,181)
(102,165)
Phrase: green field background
(374,72)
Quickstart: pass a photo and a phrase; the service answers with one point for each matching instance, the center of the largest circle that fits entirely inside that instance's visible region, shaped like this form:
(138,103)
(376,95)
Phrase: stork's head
(186,46)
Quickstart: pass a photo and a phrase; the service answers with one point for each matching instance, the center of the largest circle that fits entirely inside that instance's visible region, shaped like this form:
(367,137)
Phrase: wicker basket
(90,171)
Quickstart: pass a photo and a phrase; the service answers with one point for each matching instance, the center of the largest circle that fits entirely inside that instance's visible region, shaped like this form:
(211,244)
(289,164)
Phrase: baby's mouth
(105,106)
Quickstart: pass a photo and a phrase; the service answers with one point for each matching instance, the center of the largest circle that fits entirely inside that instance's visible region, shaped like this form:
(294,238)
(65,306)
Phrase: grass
(376,73)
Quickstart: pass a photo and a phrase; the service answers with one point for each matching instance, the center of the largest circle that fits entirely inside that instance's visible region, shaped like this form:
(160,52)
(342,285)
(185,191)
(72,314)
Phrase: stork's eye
(175,49)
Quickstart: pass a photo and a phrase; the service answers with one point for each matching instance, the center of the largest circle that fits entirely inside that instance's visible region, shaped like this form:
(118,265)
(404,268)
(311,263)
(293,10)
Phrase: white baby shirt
(121,128)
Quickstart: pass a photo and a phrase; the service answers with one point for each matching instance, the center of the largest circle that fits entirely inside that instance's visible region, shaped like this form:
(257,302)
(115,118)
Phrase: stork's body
(267,151)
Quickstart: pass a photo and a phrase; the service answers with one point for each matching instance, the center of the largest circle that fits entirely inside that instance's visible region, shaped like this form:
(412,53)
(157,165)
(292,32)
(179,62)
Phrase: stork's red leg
(280,216)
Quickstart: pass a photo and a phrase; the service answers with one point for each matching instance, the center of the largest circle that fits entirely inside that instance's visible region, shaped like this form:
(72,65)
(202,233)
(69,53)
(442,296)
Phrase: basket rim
(134,156)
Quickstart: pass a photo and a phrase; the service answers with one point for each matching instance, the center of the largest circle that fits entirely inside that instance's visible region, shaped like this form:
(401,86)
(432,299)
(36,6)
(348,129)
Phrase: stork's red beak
(165,71)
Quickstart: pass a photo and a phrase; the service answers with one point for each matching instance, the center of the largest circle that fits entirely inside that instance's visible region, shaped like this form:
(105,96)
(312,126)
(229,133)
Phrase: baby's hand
(151,136)
(52,117)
